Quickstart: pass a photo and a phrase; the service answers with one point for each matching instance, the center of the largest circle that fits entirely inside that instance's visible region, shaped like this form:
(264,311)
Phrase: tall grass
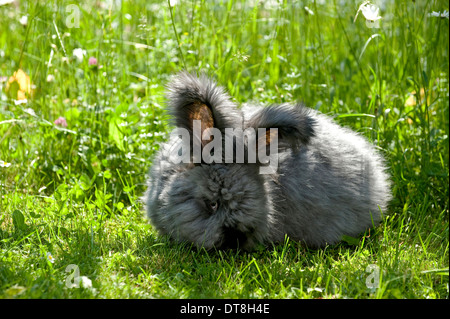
(73,192)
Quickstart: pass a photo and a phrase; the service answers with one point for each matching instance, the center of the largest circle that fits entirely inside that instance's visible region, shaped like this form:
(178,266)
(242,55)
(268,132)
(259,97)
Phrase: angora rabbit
(327,181)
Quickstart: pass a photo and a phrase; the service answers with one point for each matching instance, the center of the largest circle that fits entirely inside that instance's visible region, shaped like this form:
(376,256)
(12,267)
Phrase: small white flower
(85,282)
(3,2)
(314,289)
(30,111)
(309,11)
(79,54)
(50,258)
(370,13)
(439,14)
(4,164)
(50,78)
(18,102)
(24,20)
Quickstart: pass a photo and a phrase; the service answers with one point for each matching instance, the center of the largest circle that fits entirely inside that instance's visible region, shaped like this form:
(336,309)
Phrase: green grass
(74,192)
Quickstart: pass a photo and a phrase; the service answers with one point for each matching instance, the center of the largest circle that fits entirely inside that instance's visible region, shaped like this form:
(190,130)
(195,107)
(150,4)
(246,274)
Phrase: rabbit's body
(334,186)
(329,181)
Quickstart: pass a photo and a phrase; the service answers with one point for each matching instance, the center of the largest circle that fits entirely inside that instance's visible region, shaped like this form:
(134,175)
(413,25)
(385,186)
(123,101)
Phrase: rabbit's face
(221,206)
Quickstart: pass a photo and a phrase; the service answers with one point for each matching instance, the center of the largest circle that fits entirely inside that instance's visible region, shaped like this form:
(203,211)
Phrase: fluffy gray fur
(330,181)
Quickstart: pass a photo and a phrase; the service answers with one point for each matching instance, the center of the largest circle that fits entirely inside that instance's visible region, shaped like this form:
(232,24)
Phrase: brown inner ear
(270,134)
(201,112)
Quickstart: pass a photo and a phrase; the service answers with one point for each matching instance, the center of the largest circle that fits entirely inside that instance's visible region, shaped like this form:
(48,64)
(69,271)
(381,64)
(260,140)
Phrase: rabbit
(328,181)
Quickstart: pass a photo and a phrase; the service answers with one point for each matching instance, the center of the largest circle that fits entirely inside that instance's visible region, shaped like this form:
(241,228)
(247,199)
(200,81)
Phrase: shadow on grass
(184,271)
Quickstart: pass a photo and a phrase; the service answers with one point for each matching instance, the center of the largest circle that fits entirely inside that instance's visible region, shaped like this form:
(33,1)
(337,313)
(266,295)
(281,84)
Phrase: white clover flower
(23,20)
(85,282)
(370,13)
(79,54)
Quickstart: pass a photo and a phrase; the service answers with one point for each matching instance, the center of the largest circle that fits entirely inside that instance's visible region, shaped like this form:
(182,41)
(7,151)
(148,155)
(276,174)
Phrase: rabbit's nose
(226,194)
(233,238)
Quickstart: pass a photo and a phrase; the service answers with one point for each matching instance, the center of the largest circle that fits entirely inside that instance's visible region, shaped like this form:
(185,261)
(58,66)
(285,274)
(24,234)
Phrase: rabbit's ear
(199,98)
(294,125)
(198,111)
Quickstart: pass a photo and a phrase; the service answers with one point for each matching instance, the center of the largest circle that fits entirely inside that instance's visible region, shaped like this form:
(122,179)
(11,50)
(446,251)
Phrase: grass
(69,196)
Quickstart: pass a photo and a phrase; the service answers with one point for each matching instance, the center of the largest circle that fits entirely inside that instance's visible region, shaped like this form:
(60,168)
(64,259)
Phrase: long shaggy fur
(330,181)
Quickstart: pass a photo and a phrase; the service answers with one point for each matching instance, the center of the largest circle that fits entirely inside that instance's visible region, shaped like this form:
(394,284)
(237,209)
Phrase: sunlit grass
(73,191)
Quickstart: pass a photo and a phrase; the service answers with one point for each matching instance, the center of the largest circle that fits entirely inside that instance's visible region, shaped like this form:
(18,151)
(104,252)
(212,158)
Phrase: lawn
(82,113)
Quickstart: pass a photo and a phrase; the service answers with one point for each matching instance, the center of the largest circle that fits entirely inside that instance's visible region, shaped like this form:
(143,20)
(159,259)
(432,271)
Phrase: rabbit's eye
(212,205)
